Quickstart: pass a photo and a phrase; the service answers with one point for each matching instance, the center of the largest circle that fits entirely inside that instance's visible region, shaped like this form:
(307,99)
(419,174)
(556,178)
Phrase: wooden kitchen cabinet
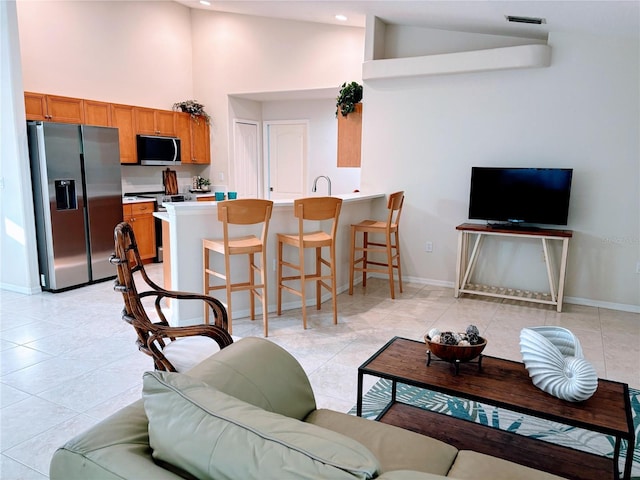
(155,122)
(350,138)
(97,113)
(53,108)
(140,217)
(183,132)
(200,142)
(122,116)
(195,144)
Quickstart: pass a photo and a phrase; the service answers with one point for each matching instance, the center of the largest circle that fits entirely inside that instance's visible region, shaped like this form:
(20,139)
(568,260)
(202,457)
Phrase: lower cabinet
(140,217)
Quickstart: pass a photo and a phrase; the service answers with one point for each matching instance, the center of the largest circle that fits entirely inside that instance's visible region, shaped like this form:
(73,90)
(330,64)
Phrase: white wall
(323,142)
(236,54)
(136,53)
(423,136)
(18,257)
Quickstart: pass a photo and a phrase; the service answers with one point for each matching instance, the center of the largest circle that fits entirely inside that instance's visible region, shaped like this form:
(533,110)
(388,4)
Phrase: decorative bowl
(456,353)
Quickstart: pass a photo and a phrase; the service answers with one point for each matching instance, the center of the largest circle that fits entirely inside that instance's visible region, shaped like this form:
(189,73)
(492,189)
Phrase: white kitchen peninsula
(185,224)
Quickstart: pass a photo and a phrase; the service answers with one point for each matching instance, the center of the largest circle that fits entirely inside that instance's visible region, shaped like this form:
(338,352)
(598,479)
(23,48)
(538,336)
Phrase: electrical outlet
(638,267)
(428,247)
(274,265)
(221,176)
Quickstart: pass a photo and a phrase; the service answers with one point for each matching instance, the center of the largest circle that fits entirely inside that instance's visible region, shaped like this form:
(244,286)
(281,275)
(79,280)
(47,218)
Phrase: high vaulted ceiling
(606,17)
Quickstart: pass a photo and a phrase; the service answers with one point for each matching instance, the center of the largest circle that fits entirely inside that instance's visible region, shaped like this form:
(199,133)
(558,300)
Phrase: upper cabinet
(97,113)
(53,108)
(350,138)
(200,141)
(123,117)
(183,132)
(194,139)
(155,122)
(129,120)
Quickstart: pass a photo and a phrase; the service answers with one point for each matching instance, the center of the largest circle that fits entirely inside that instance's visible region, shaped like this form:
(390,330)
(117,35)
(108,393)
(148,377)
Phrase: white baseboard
(573,300)
(20,289)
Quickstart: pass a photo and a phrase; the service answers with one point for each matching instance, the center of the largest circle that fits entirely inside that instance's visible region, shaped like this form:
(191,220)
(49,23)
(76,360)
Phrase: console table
(466,262)
(505,384)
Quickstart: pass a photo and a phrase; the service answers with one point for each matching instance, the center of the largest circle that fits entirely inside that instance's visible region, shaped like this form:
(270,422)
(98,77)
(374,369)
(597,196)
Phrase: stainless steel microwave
(153,150)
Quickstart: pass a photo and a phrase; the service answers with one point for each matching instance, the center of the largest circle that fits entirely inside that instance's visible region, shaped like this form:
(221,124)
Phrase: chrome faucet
(315,183)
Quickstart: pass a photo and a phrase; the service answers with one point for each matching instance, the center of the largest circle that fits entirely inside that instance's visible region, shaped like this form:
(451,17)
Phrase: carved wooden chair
(172,348)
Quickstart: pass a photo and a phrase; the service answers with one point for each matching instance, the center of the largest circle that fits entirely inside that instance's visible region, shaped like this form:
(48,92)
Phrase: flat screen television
(520,195)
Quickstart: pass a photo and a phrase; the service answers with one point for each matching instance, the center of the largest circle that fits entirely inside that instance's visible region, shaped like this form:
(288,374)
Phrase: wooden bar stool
(240,212)
(391,249)
(313,209)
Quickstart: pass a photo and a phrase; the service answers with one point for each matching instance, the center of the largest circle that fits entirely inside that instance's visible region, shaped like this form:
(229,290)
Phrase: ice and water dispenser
(66,195)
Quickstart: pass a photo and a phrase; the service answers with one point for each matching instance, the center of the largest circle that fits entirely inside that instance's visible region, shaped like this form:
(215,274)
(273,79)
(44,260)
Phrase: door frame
(259,161)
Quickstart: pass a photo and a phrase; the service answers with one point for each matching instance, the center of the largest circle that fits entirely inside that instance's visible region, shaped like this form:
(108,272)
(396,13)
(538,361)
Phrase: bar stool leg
(352,258)
(397,235)
(252,290)
(263,278)
(334,295)
(205,289)
(390,265)
(227,281)
(365,246)
(279,275)
(318,275)
(303,283)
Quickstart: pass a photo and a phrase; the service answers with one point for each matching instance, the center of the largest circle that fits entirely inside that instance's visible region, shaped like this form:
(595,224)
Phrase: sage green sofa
(249,412)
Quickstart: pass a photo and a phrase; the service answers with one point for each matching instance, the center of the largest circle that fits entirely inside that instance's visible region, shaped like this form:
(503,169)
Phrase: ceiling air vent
(529,20)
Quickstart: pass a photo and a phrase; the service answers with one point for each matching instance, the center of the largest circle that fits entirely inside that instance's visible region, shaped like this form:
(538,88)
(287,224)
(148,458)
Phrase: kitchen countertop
(185,224)
(203,205)
(127,200)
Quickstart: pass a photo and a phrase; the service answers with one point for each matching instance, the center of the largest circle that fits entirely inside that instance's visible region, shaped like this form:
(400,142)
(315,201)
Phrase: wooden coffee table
(505,384)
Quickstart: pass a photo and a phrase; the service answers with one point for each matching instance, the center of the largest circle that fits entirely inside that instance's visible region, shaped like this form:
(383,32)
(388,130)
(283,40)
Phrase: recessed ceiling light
(204,2)
(342,18)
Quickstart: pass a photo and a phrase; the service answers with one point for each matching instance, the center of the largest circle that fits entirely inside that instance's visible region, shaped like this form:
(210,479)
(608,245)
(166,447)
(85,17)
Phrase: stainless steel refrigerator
(77,193)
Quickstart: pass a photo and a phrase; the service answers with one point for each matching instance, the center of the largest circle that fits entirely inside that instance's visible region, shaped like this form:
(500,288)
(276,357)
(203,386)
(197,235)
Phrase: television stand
(466,262)
(512,226)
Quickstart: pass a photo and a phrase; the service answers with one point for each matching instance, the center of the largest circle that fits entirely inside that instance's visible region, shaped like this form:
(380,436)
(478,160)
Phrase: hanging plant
(193,108)
(350,94)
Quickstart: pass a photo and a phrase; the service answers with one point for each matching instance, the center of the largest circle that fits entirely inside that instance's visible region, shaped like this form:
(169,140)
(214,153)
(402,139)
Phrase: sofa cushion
(186,352)
(410,475)
(115,448)
(261,373)
(213,435)
(478,466)
(394,447)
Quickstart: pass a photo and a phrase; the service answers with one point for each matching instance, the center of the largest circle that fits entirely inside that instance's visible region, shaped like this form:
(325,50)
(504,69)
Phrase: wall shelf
(504,58)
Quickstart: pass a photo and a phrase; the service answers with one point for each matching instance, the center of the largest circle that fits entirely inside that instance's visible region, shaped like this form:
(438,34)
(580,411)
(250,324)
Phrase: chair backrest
(246,211)
(396,200)
(128,262)
(318,208)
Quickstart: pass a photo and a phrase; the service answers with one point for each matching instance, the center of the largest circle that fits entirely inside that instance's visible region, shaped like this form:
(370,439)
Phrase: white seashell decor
(553,357)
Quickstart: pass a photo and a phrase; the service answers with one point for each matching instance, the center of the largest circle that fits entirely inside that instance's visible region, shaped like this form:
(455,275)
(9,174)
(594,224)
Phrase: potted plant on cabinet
(193,108)
(350,95)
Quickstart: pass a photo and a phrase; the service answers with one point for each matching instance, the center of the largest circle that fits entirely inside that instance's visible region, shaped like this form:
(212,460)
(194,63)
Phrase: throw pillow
(213,435)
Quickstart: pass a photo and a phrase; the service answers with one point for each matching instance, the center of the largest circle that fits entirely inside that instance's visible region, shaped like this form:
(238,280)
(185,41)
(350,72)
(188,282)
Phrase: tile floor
(68,361)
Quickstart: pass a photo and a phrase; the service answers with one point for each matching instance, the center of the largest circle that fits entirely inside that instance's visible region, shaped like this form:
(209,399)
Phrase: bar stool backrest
(318,208)
(247,211)
(396,200)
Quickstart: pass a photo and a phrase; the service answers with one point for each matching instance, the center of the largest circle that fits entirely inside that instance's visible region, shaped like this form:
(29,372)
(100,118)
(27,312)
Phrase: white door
(286,158)
(246,162)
